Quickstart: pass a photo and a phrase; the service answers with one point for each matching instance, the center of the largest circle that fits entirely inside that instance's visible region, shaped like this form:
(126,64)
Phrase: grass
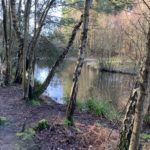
(3,120)
(145,136)
(35,102)
(26,135)
(97,107)
(30,132)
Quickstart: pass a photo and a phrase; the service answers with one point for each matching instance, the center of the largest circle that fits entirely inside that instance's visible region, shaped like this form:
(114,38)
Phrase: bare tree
(80,62)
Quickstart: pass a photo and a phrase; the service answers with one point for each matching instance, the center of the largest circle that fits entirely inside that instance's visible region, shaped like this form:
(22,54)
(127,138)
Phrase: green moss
(42,124)
(3,120)
(27,135)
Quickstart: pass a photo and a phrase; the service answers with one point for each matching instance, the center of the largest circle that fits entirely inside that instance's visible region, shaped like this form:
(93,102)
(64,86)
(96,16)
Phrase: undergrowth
(97,107)
(27,134)
(3,120)
(41,125)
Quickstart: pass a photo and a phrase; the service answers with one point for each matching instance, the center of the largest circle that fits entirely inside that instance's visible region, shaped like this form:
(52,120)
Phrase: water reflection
(55,89)
(104,86)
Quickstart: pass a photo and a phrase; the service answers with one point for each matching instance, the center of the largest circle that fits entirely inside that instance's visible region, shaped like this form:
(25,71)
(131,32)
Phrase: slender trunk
(129,139)
(19,14)
(5,18)
(33,47)
(60,59)
(19,69)
(77,72)
(26,32)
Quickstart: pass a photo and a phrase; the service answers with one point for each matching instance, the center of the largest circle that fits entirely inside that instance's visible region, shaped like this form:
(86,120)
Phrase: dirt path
(16,112)
(11,108)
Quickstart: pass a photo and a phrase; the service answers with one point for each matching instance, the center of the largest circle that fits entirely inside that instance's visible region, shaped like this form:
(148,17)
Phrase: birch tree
(80,62)
(130,134)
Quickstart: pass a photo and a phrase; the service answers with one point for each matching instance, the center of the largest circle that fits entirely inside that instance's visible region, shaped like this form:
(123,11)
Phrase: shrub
(3,120)
(67,122)
(42,124)
(35,102)
(99,108)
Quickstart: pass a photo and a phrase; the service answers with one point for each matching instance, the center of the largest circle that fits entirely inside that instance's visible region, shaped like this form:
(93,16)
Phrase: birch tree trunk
(130,134)
(139,111)
(60,59)
(77,72)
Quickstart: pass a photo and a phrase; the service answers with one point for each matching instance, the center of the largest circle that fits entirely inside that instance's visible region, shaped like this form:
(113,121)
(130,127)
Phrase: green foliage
(37,83)
(67,21)
(46,49)
(42,124)
(35,102)
(67,122)
(147,119)
(27,135)
(145,136)
(111,6)
(3,120)
(97,107)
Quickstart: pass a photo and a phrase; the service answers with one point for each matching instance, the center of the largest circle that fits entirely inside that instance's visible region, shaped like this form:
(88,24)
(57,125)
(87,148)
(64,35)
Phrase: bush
(99,108)
(3,120)
(35,102)
(42,124)
(67,122)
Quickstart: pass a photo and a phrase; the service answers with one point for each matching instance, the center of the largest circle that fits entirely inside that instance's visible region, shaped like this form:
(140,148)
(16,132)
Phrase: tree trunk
(5,24)
(32,48)
(129,139)
(60,59)
(26,32)
(139,112)
(77,72)
(19,69)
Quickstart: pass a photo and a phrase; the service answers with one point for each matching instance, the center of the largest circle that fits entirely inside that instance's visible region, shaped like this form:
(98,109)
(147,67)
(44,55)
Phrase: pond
(102,86)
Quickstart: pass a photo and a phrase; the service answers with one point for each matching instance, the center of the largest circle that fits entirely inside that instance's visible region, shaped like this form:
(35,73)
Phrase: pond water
(103,86)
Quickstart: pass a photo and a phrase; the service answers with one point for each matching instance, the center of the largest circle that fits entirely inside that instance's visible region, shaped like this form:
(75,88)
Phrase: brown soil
(86,135)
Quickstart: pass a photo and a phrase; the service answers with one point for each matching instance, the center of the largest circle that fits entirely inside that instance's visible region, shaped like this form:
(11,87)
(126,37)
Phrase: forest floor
(90,132)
